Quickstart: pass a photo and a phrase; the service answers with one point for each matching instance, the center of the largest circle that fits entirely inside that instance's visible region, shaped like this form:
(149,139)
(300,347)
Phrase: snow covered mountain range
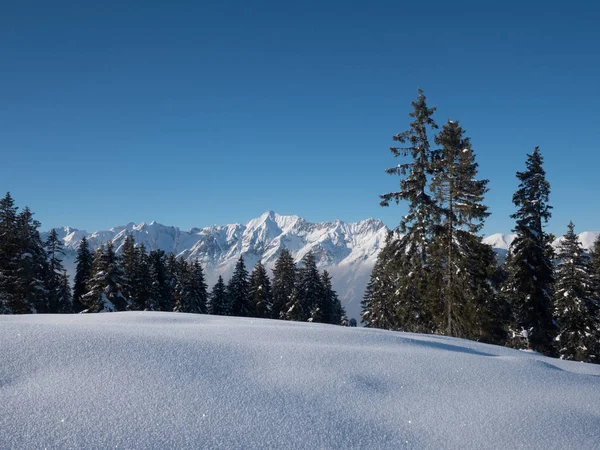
(347,250)
(501,242)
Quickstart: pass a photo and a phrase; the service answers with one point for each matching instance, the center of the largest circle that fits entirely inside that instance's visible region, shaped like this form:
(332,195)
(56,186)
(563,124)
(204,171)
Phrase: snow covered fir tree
(576,302)
(529,285)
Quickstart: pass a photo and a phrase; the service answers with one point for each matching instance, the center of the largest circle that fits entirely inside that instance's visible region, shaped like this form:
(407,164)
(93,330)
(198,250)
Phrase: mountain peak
(268,217)
(499,240)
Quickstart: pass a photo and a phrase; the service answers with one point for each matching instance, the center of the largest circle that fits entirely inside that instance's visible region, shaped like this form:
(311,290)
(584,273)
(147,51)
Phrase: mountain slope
(169,380)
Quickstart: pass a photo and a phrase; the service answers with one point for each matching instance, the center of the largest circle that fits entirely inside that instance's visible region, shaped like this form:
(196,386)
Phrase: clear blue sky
(195,113)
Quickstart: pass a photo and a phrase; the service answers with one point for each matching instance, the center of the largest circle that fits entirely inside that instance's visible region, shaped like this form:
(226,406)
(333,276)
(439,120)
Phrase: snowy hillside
(347,250)
(168,380)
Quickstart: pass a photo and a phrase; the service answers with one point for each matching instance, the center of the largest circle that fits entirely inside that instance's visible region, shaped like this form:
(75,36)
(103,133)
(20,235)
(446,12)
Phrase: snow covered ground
(168,380)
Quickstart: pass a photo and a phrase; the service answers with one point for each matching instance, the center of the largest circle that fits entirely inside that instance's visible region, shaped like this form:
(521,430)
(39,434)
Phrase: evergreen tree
(150,294)
(55,278)
(8,255)
(399,291)
(459,197)
(190,291)
(105,287)
(238,290)
(260,292)
(284,282)
(530,279)
(575,305)
(333,311)
(198,288)
(411,281)
(368,301)
(305,303)
(171,269)
(181,297)
(64,294)
(595,266)
(83,272)
(491,312)
(380,306)
(140,278)
(219,302)
(161,289)
(413,184)
(130,259)
(31,267)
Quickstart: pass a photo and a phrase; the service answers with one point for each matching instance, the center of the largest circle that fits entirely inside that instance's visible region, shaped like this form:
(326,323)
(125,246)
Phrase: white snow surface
(143,380)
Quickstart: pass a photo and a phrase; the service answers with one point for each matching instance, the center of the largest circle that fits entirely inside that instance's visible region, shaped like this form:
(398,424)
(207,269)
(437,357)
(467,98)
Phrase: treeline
(33,280)
(435,274)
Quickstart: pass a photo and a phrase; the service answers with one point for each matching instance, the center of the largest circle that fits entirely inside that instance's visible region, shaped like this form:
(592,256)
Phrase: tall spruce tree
(129,259)
(219,302)
(149,279)
(161,285)
(31,266)
(459,196)
(83,273)
(531,276)
(595,262)
(575,304)
(238,290)
(198,288)
(284,282)
(413,183)
(181,297)
(168,296)
(8,255)
(105,287)
(65,297)
(260,292)
(333,311)
(418,224)
(58,300)
(139,281)
(305,302)
(381,307)
(190,291)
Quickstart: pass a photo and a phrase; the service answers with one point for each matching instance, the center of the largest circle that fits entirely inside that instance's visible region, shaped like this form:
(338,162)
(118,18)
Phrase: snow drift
(168,380)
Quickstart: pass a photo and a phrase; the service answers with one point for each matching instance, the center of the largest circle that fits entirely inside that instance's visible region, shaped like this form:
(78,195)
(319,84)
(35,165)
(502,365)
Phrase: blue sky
(195,113)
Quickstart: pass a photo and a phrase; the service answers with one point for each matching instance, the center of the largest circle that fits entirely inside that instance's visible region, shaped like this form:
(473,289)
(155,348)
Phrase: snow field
(168,380)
